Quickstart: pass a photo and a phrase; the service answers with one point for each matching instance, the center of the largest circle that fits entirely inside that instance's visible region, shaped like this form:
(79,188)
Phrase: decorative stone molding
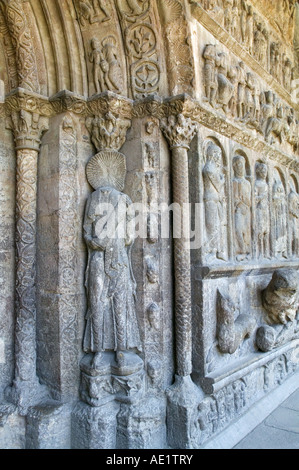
(198,112)
(19,31)
(139,29)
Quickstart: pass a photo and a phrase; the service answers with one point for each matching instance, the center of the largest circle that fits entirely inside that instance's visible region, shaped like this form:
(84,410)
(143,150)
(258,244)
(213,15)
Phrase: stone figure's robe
(111,317)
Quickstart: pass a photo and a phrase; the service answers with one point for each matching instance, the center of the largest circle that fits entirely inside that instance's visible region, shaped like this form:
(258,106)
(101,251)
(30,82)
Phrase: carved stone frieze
(247,35)
(142,288)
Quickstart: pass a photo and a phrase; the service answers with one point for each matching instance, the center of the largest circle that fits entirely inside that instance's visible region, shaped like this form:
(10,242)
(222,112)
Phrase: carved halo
(107,168)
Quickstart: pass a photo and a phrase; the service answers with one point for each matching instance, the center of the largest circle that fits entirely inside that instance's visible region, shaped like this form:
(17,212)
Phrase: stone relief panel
(92,11)
(103,44)
(256,35)
(232,88)
(236,396)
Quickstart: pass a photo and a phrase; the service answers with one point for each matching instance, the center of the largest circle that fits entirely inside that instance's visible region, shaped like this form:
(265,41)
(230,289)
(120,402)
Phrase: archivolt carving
(180,71)
(106,67)
(91,11)
(22,41)
(138,25)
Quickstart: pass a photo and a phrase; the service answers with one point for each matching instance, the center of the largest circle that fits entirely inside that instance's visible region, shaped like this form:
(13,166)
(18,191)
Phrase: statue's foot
(97,360)
(222,256)
(126,363)
(120,358)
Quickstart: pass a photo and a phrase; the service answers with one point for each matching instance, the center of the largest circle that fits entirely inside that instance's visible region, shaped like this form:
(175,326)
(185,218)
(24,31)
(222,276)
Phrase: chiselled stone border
(190,108)
(153,106)
(233,270)
(254,416)
(215,381)
(227,40)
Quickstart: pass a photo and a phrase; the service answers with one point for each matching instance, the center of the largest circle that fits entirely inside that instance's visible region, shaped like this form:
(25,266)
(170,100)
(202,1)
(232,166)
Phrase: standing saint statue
(214,198)
(111,321)
(261,195)
(279,216)
(242,208)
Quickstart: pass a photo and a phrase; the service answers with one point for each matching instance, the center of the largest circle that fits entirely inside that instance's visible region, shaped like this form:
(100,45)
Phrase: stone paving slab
(293,401)
(280,430)
(267,437)
(285,419)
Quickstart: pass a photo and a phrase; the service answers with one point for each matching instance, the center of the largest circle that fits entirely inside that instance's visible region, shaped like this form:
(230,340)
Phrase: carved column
(27,128)
(179,132)
(183,395)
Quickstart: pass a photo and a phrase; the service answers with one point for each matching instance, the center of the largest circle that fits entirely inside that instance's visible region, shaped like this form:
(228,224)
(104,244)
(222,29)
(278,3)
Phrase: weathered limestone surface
(149,229)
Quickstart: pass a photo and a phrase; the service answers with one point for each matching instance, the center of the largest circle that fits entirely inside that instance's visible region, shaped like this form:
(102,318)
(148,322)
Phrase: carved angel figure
(111,322)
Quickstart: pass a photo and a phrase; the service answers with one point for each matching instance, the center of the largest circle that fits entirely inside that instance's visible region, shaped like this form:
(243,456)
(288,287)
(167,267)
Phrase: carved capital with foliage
(27,115)
(109,120)
(179,130)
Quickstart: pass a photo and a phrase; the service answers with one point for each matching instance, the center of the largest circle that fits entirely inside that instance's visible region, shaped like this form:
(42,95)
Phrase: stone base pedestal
(109,380)
(12,428)
(48,427)
(94,427)
(182,402)
(26,394)
(142,426)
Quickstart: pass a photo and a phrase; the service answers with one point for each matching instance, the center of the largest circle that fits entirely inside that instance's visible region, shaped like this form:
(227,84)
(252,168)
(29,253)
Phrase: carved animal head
(281,297)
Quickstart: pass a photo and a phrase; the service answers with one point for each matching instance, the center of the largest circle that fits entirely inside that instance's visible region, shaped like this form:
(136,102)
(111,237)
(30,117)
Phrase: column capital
(109,118)
(28,115)
(179,130)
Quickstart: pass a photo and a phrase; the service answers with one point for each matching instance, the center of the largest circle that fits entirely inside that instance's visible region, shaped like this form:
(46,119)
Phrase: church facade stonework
(149,248)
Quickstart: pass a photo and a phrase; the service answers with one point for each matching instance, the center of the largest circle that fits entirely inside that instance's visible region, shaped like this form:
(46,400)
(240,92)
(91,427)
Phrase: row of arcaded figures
(235,90)
(265,212)
(249,29)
